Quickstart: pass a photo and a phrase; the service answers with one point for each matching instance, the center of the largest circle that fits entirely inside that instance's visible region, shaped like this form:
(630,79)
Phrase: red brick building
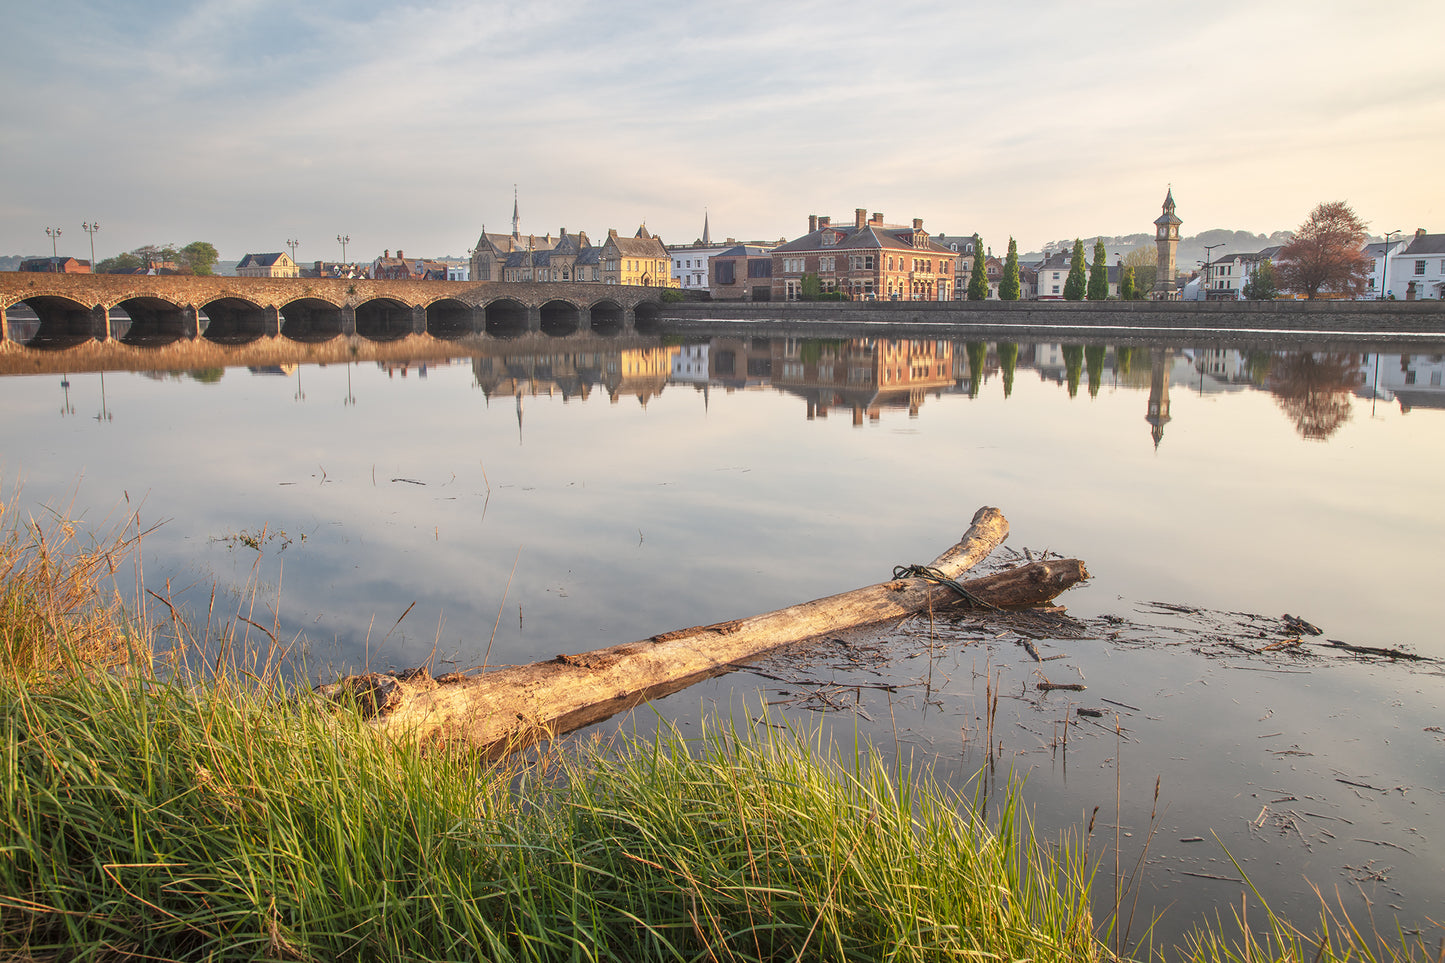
(866,260)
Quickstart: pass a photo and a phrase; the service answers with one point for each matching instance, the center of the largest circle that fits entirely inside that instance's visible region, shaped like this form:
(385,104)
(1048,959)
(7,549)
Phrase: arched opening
(384,319)
(310,320)
(607,317)
(448,319)
(154,322)
(506,318)
(560,318)
(647,317)
(232,321)
(49,322)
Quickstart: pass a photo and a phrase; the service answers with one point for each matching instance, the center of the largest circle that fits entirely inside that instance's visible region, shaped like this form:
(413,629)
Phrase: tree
(1326,253)
(810,287)
(1126,284)
(120,264)
(1261,285)
(1008,360)
(978,277)
(199,256)
(1099,273)
(1075,284)
(1010,287)
(1145,262)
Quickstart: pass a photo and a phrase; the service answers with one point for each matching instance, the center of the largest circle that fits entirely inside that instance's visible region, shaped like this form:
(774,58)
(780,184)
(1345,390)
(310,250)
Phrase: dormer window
(830,238)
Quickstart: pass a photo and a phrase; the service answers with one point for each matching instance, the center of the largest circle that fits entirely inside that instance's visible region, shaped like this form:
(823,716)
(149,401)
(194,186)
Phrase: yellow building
(640,260)
(267,266)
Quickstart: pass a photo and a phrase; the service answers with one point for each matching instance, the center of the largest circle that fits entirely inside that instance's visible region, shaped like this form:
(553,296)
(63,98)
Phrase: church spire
(706,241)
(516,218)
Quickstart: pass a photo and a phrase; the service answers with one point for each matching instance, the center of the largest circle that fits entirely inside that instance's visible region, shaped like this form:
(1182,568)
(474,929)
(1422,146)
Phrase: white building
(1418,271)
(1379,253)
(690,262)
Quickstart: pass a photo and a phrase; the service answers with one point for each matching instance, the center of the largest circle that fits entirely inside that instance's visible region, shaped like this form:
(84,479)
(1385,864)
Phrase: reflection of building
(641,372)
(1160,361)
(864,375)
(1414,380)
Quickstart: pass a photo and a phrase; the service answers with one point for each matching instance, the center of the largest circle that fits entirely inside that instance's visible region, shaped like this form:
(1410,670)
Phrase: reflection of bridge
(73,308)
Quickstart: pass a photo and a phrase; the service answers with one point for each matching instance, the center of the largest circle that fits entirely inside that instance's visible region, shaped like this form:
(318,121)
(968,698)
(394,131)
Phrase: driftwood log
(513,706)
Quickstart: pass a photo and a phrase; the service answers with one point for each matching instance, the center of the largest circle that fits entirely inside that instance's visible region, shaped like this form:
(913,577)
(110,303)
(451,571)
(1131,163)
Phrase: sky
(248,123)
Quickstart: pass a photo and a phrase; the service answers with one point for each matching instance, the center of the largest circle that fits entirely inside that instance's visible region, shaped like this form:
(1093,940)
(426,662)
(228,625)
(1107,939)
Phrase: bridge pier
(348,320)
(534,318)
(100,323)
(418,319)
(271,322)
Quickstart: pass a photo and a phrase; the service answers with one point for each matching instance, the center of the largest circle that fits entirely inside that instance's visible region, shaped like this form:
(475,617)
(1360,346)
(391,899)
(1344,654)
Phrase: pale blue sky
(249,122)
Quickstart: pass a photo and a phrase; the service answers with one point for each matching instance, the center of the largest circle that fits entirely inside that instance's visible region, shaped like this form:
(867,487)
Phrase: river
(501,502)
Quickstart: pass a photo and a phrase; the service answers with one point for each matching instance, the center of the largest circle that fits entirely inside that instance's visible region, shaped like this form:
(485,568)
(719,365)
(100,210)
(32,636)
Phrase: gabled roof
(1426,244)
(869,237)
(260,260)
(642,244)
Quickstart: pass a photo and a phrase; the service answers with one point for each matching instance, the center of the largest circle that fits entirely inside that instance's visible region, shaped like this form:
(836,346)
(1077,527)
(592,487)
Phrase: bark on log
(509,707)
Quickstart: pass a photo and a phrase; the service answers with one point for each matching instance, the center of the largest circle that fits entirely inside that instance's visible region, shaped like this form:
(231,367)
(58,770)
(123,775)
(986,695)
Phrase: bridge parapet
(462,304)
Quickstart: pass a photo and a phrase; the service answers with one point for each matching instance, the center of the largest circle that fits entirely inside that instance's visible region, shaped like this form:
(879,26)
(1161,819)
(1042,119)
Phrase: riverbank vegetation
(152,814)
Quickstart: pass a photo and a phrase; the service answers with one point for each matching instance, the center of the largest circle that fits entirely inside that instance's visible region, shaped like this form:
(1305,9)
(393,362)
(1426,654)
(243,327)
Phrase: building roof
(260,260)
(869,237)
(745,250)
(1426,244)
(642,244)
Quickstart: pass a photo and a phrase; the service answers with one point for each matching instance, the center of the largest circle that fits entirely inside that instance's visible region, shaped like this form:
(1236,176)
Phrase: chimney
(877,218)
(918,223)
(1419,232)
(812,223)
(860,217)
(400,254)
(825,221)
(386,254)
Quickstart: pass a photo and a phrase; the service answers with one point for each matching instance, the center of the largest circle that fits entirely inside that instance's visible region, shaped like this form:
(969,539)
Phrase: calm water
(540,497)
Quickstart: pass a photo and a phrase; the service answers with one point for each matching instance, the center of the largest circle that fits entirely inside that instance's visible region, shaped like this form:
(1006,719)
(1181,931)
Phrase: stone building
(866,260)
(641,260)
(388,268)
(743,272)
(278,265)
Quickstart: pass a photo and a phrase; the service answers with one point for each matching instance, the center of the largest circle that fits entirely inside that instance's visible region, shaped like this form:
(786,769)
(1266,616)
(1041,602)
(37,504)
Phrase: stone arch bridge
(70,309)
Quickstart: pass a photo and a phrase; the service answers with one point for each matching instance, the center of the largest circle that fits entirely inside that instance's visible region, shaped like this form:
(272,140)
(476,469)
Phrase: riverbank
(218,816)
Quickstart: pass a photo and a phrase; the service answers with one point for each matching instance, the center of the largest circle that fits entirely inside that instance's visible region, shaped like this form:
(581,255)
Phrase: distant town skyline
(250,123)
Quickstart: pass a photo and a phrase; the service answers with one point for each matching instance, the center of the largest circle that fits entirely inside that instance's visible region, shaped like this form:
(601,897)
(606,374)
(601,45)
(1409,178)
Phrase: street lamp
(90,227)
(293,245)
(343,240)
(1207,249)
(54,234)
(1385,268)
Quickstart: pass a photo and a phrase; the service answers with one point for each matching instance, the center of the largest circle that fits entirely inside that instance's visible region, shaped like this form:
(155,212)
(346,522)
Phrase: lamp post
(90,227)
(1208,248)
(343,240)
(293,245)
(54,234)
(1385,267)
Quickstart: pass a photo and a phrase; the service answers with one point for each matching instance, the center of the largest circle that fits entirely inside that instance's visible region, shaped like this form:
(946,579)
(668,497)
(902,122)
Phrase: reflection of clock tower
(1160,361)
(1166,236)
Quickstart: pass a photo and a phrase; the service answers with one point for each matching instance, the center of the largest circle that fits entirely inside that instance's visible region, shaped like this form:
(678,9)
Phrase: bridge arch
(154,321)
(449,319)
(647,317)
(57,322)
(506,318)
(310,320)
(606,317)
(233,320)
(385,319)
(560,318)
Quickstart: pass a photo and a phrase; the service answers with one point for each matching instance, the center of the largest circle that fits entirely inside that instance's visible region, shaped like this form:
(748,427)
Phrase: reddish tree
(1326,253)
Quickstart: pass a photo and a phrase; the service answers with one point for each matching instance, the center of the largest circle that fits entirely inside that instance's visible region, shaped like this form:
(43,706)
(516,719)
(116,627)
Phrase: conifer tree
(1126,284)
(1075,284)
(1099,273)
(978,277)
(1010,287)
(1008,359)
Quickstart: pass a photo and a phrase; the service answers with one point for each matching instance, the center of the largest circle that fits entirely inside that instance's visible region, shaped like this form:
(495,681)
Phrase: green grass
(155,815)
(173,822)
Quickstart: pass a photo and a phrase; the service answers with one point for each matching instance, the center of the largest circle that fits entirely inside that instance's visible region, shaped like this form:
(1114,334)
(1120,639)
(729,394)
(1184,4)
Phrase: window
(1419,268)
(725,272)
(1056,289)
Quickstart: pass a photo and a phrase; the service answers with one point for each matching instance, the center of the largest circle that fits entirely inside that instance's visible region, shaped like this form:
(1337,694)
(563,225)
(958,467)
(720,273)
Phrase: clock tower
(1166,236)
